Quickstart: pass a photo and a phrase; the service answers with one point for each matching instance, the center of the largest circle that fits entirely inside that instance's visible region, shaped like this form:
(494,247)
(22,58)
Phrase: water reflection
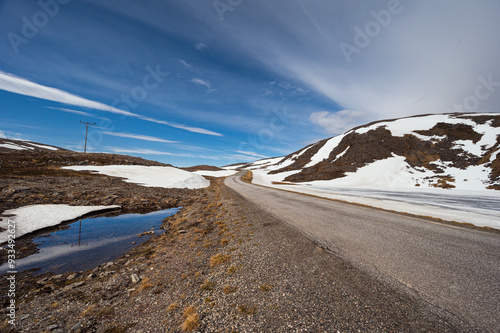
(90,242)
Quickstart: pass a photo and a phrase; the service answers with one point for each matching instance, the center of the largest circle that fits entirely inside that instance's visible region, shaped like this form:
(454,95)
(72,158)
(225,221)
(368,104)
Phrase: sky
(226,81)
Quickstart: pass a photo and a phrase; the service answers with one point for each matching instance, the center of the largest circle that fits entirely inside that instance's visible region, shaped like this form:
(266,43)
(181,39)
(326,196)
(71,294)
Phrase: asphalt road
(456,269)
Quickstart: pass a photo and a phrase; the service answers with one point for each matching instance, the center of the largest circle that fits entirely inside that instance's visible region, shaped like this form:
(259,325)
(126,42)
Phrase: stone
(75,327)
(135,278)
(71,276)
(146,233)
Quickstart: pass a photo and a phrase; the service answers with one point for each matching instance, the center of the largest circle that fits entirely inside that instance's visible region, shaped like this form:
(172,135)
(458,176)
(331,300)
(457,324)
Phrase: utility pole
(87,124)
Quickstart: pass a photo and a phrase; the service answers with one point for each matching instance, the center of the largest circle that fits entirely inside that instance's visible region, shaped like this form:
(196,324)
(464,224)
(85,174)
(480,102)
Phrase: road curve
(454,268)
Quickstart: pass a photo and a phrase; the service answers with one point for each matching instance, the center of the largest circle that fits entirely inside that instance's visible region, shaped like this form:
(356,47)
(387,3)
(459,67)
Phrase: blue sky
(220,82)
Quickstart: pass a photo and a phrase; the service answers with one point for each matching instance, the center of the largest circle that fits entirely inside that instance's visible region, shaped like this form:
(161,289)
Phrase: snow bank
(149,176)
(218,173)
(13,146)
(481,208)
(43,146)
(30,218)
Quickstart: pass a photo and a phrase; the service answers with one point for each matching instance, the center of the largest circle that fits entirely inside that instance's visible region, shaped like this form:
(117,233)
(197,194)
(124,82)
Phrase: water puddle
(89,242)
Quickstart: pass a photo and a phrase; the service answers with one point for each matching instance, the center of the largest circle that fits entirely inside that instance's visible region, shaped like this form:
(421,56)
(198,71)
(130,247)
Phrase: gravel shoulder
(223,265)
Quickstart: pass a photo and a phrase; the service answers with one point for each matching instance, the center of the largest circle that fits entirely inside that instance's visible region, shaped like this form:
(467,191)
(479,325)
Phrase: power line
(87,124)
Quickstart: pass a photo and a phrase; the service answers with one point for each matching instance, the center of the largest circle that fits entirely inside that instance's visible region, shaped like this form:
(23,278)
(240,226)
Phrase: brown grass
(208,285)
(247,310)
(191,319)
(265,287)
(172,307)
(247,177)
(444,182)
(229,289)
(219,259)
(145,284)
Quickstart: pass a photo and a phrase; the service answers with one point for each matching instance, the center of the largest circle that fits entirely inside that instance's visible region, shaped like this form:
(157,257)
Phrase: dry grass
(219,259)
(208,285)
(247,310)
(191,319)
(173,307)
(265,287)
(444,182)
(247,177)
(145,284)
(229,289)
(88,311)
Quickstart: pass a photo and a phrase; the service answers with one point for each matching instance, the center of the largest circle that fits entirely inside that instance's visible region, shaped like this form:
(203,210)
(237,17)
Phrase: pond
(90,242)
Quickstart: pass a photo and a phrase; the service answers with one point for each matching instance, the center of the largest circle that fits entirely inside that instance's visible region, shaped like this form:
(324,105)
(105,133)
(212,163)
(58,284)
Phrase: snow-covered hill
(11,145)
(450,151)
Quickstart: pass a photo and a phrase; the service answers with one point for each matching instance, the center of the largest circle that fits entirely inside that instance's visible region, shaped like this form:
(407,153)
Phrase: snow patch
(30,218)
(43,146)
(218,173)
(149,176)
(325,151)
(12,146)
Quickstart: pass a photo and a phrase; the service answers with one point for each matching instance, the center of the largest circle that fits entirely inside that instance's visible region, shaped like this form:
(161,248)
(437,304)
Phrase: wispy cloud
(142,151)
(138,137)
(81,113)
(204,83)
(201,46)
(337,122)
(186,64)
(10,135)
(137,151)
(18,85)
(251,153)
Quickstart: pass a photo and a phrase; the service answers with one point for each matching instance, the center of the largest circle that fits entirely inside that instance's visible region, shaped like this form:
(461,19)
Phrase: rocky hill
(31,173)
(449,151)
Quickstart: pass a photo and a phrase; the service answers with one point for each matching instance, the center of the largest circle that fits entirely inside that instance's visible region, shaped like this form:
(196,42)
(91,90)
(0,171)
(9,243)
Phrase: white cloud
(185,64)
(201,46)
(428,57)
(137,151)
(81,113)
(3,135)
(142,151)
(18,85)
(337,122)
(204,83)
(138,137)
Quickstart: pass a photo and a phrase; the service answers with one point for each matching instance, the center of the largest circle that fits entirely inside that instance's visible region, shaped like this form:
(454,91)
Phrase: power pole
(87,124)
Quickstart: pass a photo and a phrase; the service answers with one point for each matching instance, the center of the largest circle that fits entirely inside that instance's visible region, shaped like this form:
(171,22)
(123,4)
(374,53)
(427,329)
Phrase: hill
(445,151)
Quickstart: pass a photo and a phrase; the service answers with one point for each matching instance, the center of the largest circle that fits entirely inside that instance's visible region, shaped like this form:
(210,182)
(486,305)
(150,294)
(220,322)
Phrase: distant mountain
(459,151)
(11,145)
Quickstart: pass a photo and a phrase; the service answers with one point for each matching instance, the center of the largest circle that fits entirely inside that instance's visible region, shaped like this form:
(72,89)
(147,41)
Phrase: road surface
(456,269)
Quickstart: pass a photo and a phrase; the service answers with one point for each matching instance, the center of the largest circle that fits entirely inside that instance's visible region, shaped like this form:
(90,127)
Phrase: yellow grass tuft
(219,259)
(191,319)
